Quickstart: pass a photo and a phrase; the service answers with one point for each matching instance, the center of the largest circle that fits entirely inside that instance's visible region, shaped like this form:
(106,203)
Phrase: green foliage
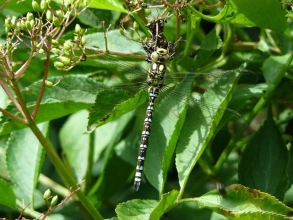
(74,90)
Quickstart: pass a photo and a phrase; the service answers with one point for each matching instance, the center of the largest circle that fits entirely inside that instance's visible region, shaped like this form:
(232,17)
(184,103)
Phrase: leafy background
(181,172)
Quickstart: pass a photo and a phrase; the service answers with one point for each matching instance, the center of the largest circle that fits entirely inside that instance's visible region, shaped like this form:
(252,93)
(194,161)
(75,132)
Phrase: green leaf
(94,18)
(3,99)
(73,93)
(271,67)
(111,104)
(244,93)
(167,201)
(115,175)
(7,197)
(24,160)
(201,123)
(240,202)
(114,167)
(264,162)
(136,209)
(112,5)
(115,42)
(146,209)
(75,143)
(165,131)
(249,12)
(210,44)
(16,8)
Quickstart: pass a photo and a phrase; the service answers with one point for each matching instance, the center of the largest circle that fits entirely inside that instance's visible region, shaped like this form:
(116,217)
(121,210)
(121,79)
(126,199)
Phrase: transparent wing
(124,80)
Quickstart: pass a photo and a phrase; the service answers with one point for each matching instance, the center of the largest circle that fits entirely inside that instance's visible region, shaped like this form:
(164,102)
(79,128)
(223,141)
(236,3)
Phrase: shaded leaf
(7,197)
(247,12)
(200,126)
(272,67)
(264,162)
(24,160)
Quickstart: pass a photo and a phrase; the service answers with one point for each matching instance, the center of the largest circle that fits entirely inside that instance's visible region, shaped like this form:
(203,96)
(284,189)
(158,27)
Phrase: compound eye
(161,51)
(155,56)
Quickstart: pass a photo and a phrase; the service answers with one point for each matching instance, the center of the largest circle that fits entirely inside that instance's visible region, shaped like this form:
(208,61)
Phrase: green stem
(260,105)
(50,150)
(229,32)
(67,178)
(90,162)
(56,187)
(30,212)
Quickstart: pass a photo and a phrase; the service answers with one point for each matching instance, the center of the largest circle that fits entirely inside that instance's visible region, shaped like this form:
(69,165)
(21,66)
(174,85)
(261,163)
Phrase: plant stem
(42,89)
(90,162)
(67,178)
(50,150)
(261,104)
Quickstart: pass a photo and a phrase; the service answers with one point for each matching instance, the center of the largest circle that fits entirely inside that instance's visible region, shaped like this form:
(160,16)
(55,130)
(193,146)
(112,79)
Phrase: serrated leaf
(167,201)
(136,209)
(264,162)
(7,197)
(248,13)
(111,104)
(166,126)
(57,101)
(146,209)
(200,125)
(24,160)
(240,202)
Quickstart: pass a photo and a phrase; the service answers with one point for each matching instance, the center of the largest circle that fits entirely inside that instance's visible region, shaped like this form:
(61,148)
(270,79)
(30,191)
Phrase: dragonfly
(124,86)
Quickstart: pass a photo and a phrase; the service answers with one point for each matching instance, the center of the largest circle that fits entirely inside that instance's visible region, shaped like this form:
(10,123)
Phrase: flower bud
(56,21)
(13,21)
(83,41)
(49,15)
(47,194)
(60,14)
(135,26)
(41,51)
(58,65)
(77,29)
(55,50)
(8,22)
(148,11)
(49,83)
(55,42)
(67,45)
(54,201)
(44,5)
(35,6)
(29,16)
(64,60)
